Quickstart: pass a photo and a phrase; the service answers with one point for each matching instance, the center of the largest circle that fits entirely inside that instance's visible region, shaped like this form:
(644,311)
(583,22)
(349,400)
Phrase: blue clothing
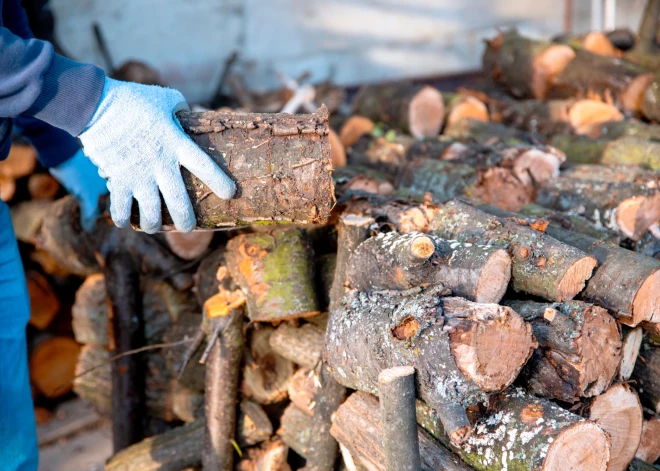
(18,435)
(37,83)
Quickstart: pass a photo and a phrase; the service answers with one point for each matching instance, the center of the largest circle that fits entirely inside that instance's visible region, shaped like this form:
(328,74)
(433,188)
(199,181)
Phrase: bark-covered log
(541,265)
(579,349)
(127,333)
(647,376)
(489,133)
(415,109)
(626,150)
(619,413)
(396,390)
(455,345)
(628,128)
(623,199)
(186,327)
(594,41)
(391,261)
(649,446)
(630,346)
(357,425)
(625,282)
(302,345)
(280,163)
(252,424)
(296,429)
(276,272)
(524,66)
(266,374)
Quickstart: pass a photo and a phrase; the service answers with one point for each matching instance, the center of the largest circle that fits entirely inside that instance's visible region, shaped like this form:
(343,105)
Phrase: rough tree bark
(391,261)
(455,345)
(625,150)
(302,345)
(541,265)
(647,376)
(579,349)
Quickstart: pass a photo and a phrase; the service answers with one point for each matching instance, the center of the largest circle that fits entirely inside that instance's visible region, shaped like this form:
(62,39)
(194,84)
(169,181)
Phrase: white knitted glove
(138,145)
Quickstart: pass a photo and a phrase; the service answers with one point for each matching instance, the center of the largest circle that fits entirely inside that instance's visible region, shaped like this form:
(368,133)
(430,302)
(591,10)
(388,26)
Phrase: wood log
(357,425)
(391,261)
(626,283)
(622,38)
(52,365)
(337,150)
(396,390)
(649,446)
(379,330)
(579,349)
(302,345)
(629,127)
(541,265)
(266,375)
(44,304)
(302,389)
(252,425)
(619,413)
(354,128)
(630,346)
(381,151)
(127,333)
(460,106)
(524,66)
(595,42)
(489,133)
(521,431)
(21,162)
(42,186)
(280,163)
(276,272)
(627,150)
(187,326)
(648,27)
(295,429)
(647,376)
(7,189)
(190,245)
(619,198)
(403,216)
(27,217)
(270,456)
(357,179)
(415,109)
(639,465)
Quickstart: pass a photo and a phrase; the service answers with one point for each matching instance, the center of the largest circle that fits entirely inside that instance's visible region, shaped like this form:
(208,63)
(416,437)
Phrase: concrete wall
(350,41)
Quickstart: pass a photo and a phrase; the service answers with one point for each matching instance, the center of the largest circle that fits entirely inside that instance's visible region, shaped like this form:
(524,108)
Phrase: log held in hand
(280,163)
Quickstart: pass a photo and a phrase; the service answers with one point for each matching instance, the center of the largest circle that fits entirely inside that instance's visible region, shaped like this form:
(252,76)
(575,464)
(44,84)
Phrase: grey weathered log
(302,345)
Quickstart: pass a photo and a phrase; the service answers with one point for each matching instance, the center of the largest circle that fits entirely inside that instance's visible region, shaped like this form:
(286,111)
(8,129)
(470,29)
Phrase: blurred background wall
(347,41)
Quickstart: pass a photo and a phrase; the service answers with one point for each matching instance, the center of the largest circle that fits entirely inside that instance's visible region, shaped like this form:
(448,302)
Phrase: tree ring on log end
(635,215)
(579,448)
(426,113)
(494,278)
(575,278)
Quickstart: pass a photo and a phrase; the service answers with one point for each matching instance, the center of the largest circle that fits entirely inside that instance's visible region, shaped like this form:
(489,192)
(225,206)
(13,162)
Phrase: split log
(623,199)
(302,345)
(579,349)
(302,389)
(451,342)
(647,376)
(521,431)
(162,306)
(391,261)
(53,365)
(266,375)
(276,272)
(630,346)
(354,128)
(524,66)
(42,186)
(396,390)
(626,150)
(252,425)
(403,216)
(280,163)
(127,333)
(415,109)
(552,117)
(190,245)
(541,265)
(619,413)
(357,425)
(624,282)
(270,456)
(649,446)
(44,304)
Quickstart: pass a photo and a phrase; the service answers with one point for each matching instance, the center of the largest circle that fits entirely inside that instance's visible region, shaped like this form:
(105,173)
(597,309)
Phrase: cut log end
(354,128)
(494,278)
(633,97)
(7,188)
(392,374)
(635,215)
(53,365)
(600,44)
(547,66)
(43,186)
(540,165)
(619,413)
(426,113)
(647,300)
(188,245)
(586,116)
(649,446)
(337,150)
(575,278)
(584,447)
(469,107)
(422,247)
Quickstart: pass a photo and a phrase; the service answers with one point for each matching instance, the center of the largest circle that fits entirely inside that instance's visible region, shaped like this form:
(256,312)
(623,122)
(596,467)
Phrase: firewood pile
(486,261)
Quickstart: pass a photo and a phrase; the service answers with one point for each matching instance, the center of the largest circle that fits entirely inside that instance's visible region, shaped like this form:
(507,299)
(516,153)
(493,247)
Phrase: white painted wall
(352,41)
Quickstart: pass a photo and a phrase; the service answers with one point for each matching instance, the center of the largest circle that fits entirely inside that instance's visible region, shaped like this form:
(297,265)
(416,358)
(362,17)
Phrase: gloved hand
(138,144)
(81,178)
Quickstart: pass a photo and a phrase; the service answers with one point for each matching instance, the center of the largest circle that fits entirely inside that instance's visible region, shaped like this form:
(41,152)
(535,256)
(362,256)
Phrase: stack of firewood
(502,244)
